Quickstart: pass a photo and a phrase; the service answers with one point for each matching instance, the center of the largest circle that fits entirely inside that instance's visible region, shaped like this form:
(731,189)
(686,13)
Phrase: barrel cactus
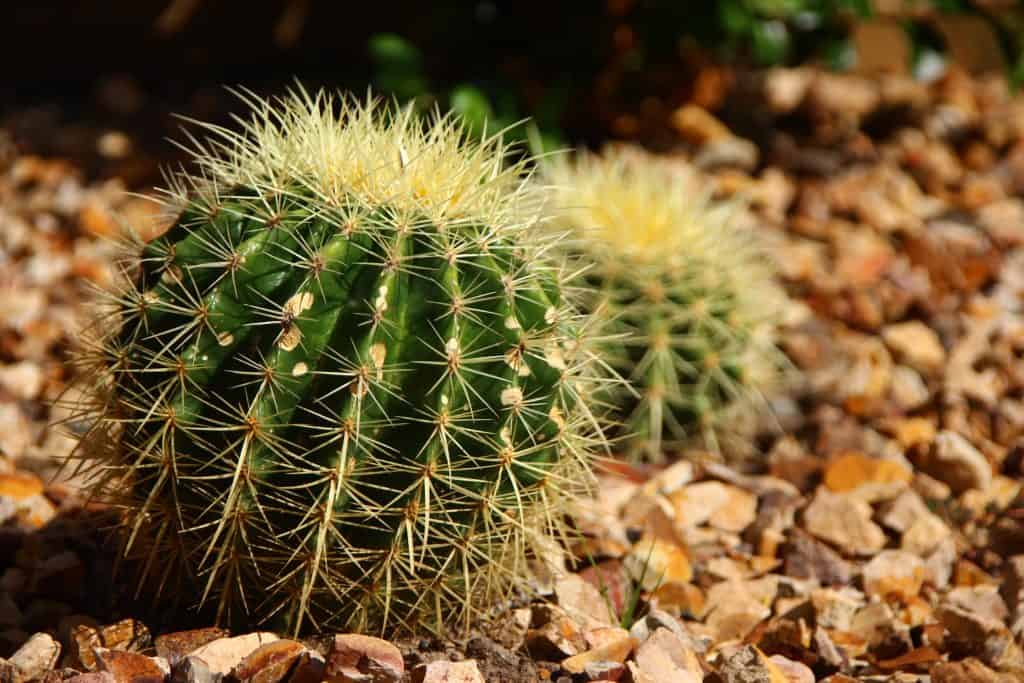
(685,289)
(345,387)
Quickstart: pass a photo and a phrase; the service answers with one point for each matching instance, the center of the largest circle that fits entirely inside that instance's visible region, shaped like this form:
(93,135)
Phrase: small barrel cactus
(685,289)
(345,387)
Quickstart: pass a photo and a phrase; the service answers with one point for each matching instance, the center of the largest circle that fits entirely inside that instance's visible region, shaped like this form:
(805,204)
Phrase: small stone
(851,471)
(20,486)
(893,574)
(15,433)
(127,634)
(666,657)
(174,646)
(602,661)
(659,563)
(879,629)
(93,677)
(723,506)
(845,522)
(788,634)
(1004,221)
(808,558)
(655,619)
(22,380)
(357,658)
(583,602)
(83,639)
(34,512)
(827,650)
(908,389)
(309,668)
(442,671)
(729,152)
(835,609)
(987,639)
(969,670)
(734,608)
(915,344)
(269,663)
(224,654)
(900,513)
(925,534)
(37,656)
(931,488)
(699,126)
(132,667)
(188,669)
(1012,591)
(557,638)
(114,145)
(795,672)
(847,97)
(954,461)
(983,600)
(747,664)
(911,431)
(785,88)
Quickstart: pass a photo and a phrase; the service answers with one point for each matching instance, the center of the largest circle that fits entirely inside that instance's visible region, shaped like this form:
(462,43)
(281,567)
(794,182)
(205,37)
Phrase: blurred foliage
(496,66)
(399,70)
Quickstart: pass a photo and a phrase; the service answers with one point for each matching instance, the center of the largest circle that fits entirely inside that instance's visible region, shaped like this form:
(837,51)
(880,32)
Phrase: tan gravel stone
(956,462)
(915,344)
(224,654)
(465,671)
(844,522)
(893,574)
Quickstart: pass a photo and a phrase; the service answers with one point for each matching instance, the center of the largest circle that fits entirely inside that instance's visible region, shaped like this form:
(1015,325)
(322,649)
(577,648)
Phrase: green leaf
(392,51)
(770,42)
(735,17)
(473,106)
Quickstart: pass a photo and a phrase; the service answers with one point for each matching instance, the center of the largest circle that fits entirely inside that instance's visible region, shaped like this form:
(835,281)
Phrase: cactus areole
(344,388)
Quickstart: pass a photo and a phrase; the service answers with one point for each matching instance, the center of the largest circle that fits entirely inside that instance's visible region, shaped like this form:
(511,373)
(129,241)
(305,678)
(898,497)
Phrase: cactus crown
(345,387)
(684,284)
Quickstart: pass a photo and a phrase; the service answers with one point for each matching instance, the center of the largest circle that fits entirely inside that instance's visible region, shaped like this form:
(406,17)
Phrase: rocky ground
(876,535)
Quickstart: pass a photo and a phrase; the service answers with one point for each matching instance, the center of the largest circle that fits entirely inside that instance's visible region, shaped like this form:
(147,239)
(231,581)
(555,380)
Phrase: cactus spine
(685,289)
(345,387)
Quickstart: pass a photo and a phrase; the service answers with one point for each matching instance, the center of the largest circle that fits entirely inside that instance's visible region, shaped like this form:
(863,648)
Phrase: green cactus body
(687,293)
(344,386)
